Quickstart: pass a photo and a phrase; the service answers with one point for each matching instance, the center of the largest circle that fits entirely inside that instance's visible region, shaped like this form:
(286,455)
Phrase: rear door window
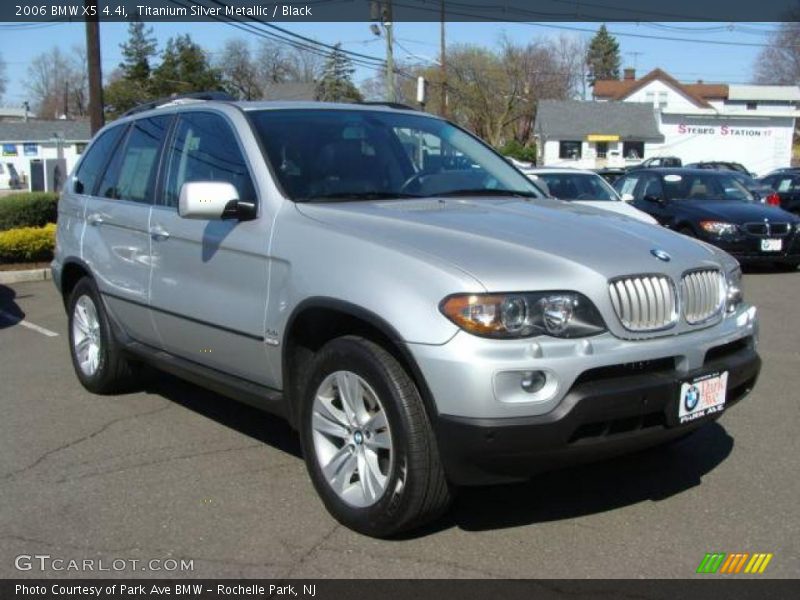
(91,166)
(131,175)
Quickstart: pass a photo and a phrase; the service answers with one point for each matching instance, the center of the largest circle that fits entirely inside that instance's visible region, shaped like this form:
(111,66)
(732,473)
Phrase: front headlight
(520,315)
(719,227)
(735,295)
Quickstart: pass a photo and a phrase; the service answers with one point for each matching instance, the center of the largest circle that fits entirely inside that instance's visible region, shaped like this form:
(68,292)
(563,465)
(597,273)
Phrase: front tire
(368,444)
(98,359)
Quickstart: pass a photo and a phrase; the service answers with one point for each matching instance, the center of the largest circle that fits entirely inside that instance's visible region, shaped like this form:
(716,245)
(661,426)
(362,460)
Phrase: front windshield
(578,186)
(705,186)
(333,154)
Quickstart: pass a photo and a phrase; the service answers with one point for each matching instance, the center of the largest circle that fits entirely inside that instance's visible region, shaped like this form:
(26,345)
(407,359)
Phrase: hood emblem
(660,254)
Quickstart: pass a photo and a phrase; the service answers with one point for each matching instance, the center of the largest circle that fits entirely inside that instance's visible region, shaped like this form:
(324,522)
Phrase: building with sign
(750,124)
(595,134)
(40,153)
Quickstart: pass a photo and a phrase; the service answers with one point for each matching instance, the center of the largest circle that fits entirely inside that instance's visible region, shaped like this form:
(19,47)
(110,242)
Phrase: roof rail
(218,96)
(397,105)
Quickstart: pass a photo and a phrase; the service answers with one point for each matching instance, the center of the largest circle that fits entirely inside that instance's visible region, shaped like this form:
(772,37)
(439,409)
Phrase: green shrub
(29,209)
(27,244)
(515,149)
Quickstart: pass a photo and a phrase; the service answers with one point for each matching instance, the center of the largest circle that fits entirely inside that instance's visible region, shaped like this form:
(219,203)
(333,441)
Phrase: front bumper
(605,414)
(747,248)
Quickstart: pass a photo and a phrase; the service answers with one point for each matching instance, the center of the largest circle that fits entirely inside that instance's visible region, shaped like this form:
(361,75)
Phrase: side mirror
(210,200)
(627,197)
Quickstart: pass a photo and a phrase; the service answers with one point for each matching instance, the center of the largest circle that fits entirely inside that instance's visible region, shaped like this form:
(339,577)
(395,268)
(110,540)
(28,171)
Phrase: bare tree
(239,72)
(58,83)
(779,63)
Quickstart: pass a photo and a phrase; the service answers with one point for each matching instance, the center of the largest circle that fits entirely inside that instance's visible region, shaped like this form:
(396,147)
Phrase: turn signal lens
(560,314)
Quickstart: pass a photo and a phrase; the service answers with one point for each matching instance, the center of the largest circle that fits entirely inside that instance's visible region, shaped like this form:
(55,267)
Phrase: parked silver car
(396,290)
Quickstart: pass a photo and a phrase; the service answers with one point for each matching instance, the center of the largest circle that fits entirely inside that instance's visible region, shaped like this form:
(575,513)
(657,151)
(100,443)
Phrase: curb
(23,276)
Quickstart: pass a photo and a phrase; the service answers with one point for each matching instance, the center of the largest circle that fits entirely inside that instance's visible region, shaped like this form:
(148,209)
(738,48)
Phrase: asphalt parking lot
(176,472)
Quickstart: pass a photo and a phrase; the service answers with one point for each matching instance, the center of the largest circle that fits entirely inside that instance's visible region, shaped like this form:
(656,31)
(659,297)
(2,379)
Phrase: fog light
(533,381)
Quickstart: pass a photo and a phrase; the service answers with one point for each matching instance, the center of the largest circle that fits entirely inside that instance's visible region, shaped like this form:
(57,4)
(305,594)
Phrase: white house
(33,148)
(750,124)
(592,135)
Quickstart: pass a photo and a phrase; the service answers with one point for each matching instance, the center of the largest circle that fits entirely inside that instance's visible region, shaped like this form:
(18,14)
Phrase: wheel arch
(72,272)
(318,320)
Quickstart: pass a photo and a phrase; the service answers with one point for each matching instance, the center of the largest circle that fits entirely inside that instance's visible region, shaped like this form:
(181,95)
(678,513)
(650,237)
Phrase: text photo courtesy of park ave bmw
(295,295)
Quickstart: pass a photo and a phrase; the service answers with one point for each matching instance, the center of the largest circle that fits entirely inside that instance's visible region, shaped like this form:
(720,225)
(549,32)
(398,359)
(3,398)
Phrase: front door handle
(95,219)
(159,233)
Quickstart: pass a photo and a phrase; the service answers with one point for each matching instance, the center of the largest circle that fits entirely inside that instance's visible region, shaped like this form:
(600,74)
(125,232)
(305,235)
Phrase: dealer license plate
(702,396)
(771,245)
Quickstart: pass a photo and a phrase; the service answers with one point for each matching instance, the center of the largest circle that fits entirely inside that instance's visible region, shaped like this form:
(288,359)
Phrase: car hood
(733,211)
(517,244)
(622,208)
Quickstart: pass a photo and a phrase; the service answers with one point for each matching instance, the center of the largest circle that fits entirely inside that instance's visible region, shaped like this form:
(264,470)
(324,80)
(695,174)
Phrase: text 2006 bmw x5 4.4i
(397,291)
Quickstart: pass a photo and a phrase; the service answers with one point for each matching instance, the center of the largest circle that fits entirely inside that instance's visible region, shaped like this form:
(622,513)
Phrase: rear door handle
(95,219)
(159,233)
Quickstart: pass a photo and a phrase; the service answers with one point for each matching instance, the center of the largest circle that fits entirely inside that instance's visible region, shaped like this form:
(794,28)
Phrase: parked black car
(715,207)
(786,186)
(658,161)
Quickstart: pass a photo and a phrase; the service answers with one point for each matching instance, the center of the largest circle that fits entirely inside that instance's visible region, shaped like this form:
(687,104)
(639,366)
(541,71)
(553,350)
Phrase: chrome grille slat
(703,295)
(644,302)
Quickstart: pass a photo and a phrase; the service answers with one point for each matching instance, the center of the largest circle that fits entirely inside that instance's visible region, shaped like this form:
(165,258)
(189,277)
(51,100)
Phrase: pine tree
(603,57)
(336,83)
(184,68)
(138,52)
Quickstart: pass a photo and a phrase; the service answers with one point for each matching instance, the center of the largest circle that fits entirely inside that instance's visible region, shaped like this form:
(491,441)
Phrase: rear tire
(367,440)
(98,359)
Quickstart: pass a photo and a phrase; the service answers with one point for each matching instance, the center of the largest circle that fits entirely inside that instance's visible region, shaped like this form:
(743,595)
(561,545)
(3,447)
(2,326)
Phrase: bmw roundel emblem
(660,254)
(692,398)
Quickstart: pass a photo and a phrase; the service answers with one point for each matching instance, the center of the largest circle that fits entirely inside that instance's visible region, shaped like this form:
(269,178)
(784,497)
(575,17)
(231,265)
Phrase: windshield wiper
(485,192)
(347,196)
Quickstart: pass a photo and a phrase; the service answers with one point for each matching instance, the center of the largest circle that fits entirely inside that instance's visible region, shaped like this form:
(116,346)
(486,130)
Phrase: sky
(699,58)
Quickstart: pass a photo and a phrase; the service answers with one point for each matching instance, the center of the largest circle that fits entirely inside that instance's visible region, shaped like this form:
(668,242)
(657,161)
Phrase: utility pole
(443,66)
(96,116)
(387,25)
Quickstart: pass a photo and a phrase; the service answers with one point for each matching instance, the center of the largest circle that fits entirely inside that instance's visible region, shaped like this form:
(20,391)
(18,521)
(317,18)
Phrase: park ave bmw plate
(702,396)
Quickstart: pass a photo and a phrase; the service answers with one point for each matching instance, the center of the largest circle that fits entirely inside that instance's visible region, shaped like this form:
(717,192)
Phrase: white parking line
(9,317)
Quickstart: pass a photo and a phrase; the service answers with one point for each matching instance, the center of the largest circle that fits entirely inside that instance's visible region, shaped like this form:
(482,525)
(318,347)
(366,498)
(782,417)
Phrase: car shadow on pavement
(245,419)
(10,312)
(652,475)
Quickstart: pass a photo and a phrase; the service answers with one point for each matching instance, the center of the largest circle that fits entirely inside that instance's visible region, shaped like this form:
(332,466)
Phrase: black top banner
(401,10)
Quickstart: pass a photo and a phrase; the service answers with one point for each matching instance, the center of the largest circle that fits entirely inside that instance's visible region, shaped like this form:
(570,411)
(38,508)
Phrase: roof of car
(558,170)
(680,171)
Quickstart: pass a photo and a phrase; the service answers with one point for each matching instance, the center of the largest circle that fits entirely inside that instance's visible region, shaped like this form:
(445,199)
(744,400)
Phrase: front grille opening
(643,367)
(719,352)
(618,426)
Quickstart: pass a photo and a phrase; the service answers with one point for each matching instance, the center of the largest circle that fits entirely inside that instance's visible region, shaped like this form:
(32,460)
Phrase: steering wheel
(415,178)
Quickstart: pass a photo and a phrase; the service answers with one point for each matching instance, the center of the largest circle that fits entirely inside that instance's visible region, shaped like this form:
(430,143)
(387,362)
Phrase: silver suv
(395,289)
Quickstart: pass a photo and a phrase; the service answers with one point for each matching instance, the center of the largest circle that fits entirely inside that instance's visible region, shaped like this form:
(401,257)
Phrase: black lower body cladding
(596,420)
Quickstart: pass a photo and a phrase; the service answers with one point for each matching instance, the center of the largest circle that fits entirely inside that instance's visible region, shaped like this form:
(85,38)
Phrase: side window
(627,185)
(91,166)
(131,174)
(204,149)
(652,187)
(784,184)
